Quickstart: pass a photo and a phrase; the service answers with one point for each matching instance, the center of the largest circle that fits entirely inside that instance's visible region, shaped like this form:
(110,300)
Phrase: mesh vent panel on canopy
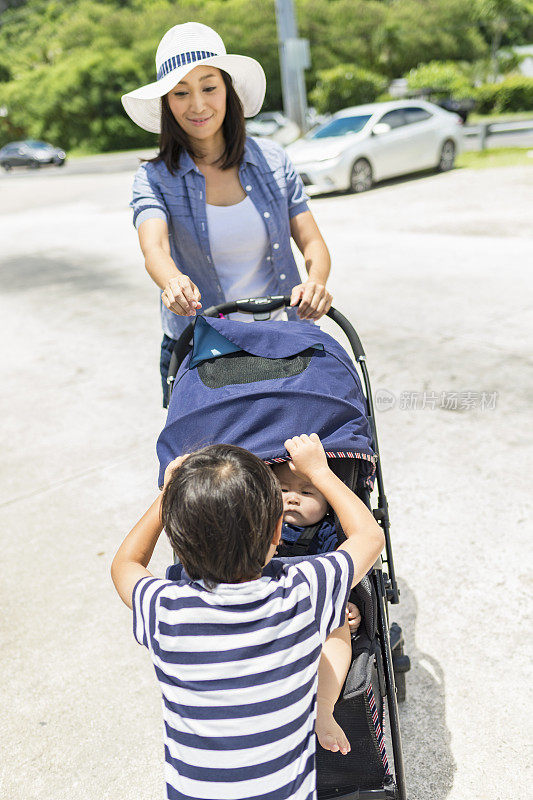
(240,367)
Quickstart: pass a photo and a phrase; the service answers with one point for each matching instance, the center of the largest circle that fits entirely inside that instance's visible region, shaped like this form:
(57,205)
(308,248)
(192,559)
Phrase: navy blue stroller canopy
(257,384)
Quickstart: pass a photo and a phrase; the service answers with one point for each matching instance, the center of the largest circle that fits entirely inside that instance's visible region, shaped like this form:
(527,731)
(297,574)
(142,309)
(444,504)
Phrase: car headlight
(330,157)
(330,161)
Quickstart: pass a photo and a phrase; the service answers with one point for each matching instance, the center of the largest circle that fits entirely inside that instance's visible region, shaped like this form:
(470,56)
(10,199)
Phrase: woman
(215,210)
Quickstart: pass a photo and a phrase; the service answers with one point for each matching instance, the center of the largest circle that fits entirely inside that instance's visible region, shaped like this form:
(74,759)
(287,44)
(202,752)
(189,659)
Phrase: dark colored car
(31,154)
(462,107)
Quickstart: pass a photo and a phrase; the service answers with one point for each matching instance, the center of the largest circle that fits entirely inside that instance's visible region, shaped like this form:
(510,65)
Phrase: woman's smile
(199,120)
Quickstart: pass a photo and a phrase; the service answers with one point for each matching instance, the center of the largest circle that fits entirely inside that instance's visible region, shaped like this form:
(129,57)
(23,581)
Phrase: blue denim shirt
(269,179)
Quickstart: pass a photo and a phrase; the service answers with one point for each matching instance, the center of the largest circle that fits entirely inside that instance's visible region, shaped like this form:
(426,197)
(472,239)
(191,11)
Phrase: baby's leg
(332,670)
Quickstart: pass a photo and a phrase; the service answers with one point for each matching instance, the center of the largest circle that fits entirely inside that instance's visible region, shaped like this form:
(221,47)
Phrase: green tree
(418,31)
(443,77)
(502,22)
(346,85)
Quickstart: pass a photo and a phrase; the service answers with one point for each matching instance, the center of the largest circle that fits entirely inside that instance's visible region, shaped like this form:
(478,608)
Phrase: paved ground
(434,273)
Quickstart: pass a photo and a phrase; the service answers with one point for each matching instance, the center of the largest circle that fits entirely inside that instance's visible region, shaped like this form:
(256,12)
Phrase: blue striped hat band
(181,59)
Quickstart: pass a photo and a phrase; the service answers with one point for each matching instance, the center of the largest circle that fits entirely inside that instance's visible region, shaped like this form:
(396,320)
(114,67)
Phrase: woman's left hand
(315,300)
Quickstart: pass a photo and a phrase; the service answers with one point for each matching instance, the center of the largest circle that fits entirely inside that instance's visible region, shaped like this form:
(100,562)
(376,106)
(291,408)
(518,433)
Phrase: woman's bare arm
(179,293)
(314,297)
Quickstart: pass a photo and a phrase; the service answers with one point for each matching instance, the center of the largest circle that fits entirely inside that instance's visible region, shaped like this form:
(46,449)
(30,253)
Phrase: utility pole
(294,59)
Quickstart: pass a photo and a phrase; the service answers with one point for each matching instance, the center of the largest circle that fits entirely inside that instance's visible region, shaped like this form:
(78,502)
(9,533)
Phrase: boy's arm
(135,552)
(364,538)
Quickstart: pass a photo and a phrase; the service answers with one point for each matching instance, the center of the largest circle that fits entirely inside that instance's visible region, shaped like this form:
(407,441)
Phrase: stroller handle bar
(253,305)
(259,306)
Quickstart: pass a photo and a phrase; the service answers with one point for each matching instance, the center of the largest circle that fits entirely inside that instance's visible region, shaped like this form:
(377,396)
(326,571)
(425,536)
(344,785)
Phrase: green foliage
(65,63)
(515,93)
(504,21)
(72,61)
(76,101)
(415,31)
(5,73)
(346,85)
(445,78)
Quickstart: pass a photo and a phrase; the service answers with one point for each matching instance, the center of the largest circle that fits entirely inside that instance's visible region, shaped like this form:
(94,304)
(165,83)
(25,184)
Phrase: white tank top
(239,246)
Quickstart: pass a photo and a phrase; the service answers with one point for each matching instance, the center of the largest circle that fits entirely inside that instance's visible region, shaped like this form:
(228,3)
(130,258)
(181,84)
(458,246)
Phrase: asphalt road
(434,272)
(111,163)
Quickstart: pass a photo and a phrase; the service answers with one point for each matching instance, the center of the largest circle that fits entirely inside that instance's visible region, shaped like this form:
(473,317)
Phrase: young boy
(236,646)
(304,507)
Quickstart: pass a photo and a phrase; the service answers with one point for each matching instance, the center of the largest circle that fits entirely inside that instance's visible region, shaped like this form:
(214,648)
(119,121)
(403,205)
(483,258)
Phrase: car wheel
(34,165)
(61,163)
(361,179)
(447,156)
(7,167)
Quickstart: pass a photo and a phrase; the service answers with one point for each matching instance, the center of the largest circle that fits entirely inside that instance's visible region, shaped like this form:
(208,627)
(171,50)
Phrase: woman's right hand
(181,296)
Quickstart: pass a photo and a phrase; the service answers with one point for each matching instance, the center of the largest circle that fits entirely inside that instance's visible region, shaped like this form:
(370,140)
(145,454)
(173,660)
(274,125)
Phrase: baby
(305,508)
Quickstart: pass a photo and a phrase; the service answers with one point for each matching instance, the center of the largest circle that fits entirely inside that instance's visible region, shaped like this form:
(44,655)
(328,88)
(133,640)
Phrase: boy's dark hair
(173,140)
(220,510)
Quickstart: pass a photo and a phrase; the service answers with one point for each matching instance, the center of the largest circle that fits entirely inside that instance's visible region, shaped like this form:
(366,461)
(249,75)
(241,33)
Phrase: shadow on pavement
(26,273)
(412,176)
(426,740)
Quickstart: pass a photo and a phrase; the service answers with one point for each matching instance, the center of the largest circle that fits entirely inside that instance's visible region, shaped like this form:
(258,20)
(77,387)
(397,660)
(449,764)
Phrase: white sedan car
(364,144)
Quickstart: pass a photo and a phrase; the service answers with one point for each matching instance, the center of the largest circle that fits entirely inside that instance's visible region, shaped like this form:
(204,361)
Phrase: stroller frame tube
(386,587)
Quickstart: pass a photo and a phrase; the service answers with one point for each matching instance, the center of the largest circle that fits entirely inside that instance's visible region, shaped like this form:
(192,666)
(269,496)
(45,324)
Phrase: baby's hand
(174,465)
(308,456)
(354,617)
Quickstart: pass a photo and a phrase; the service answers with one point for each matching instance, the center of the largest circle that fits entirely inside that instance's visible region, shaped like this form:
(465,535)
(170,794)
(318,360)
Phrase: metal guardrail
(486,129)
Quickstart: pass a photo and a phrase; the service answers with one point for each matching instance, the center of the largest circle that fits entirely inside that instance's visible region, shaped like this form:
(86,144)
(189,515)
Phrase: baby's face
(302,503)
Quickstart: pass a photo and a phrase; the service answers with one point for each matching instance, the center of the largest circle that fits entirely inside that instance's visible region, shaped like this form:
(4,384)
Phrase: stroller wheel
(401,664)
(401,689)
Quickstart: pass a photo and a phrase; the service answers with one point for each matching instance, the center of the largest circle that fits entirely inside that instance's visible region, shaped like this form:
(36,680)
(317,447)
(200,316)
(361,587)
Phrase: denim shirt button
(248,188)
(282,276)
(266,214)
(276,245)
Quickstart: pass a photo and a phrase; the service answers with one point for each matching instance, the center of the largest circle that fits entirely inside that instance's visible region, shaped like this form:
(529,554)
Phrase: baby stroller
(254,386)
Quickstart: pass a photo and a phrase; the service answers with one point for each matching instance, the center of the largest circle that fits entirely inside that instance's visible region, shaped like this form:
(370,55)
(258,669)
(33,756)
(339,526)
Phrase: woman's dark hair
(173,140)
(220,510)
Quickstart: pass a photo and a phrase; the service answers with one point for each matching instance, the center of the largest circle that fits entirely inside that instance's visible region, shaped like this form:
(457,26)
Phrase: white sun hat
(181,49)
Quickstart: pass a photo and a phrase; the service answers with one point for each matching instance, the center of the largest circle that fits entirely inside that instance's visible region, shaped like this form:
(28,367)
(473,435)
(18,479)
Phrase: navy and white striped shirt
(238,672)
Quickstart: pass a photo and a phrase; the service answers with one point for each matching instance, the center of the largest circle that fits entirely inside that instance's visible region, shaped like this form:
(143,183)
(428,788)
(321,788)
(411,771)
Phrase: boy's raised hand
(365,538)
(174,465)
(308,456)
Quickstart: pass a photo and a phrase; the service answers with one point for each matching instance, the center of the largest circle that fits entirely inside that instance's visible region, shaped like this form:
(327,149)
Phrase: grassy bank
(498,157)
(476,119)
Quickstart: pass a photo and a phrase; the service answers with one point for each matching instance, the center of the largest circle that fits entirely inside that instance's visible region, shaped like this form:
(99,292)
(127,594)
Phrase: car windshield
(340,127)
